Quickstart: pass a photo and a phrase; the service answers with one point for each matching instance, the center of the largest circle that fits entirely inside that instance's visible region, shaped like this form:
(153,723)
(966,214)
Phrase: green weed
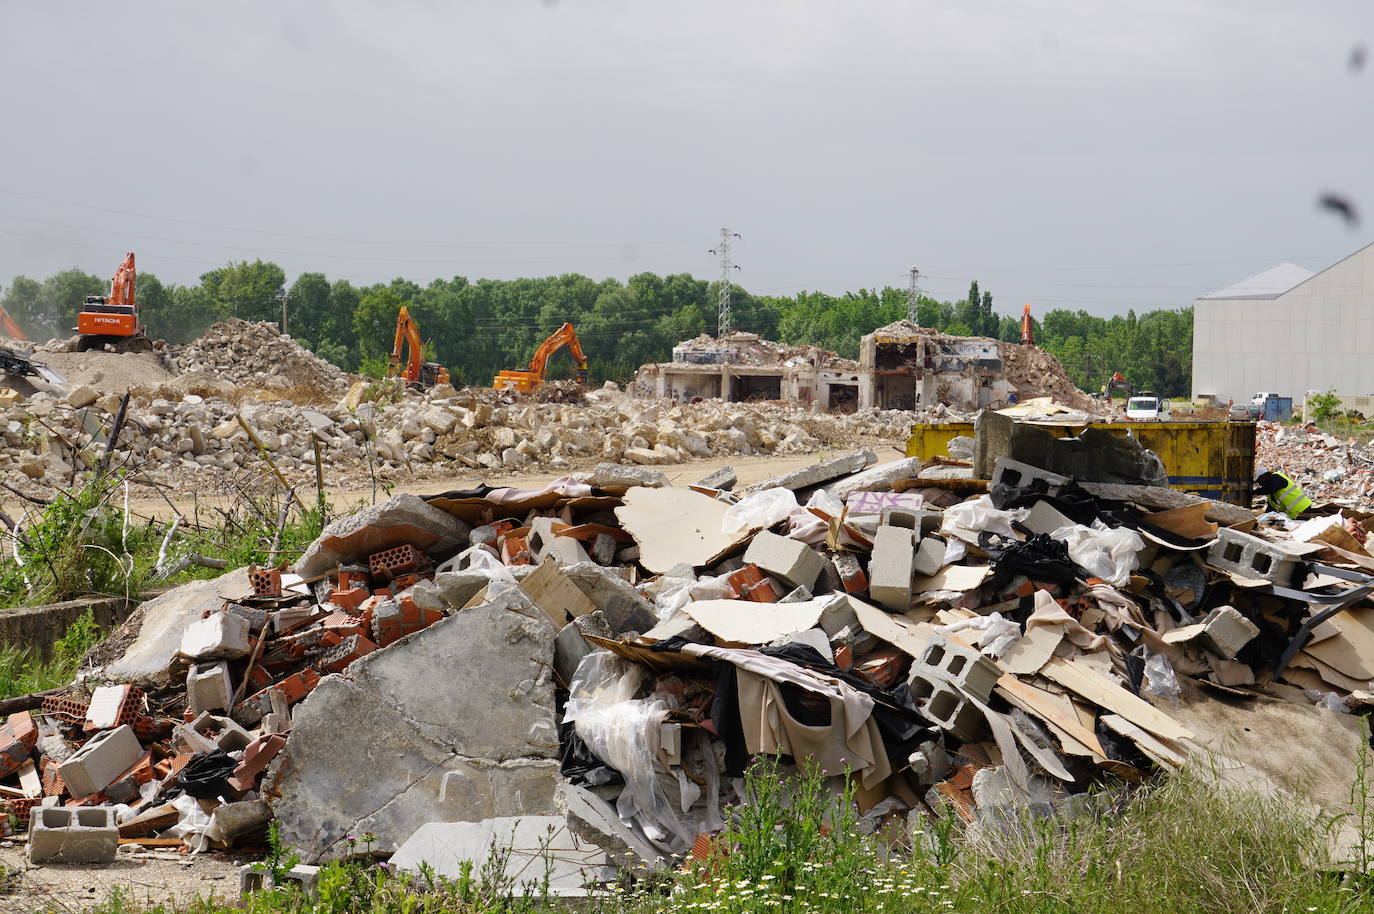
(23,672)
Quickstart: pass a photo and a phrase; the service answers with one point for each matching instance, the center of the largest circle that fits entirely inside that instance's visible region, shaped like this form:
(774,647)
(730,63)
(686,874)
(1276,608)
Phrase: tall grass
(24,671)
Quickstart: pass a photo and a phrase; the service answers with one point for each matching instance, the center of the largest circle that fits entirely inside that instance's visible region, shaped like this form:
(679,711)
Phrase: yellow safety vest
(1290,499)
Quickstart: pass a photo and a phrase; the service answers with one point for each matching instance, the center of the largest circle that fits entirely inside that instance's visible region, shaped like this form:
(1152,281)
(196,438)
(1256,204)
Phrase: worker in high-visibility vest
(1283,493)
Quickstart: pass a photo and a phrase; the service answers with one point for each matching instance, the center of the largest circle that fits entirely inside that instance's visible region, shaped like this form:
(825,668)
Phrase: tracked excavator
(526,380)
(18,364)
(113,319)
(416,371)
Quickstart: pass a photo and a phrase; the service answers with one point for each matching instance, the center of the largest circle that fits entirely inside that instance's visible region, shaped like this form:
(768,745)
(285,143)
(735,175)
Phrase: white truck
(1147,408)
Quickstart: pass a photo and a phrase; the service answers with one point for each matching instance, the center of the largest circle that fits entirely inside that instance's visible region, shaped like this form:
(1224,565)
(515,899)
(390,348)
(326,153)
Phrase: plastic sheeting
(758,511)
(1104,552)
(623,731)
(968,519)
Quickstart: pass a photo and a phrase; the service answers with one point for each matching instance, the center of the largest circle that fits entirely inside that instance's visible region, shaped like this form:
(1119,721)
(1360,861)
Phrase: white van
(1147,409)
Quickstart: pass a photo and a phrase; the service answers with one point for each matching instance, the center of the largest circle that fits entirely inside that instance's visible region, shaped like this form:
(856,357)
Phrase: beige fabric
(851,741)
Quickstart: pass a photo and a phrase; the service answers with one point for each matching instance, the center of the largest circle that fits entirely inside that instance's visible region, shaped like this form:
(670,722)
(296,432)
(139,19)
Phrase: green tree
(246,290)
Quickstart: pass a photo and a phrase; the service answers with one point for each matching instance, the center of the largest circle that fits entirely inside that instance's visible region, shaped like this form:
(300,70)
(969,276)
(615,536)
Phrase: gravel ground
(150,878)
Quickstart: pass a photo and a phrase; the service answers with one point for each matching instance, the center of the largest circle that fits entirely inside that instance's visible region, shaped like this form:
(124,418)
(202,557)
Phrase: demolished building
(901,366)
(744,367)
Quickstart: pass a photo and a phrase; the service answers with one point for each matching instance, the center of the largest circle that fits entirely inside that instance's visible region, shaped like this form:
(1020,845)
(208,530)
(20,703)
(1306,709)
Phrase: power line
(365,241)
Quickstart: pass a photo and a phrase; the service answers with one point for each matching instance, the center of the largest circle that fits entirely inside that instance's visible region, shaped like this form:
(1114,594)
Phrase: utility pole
(913,296)
(283,298)
(723,308)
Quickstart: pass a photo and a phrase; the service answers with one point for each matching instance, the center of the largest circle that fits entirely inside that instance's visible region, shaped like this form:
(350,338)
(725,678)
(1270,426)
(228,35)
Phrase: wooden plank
(1106,694)
(557,596)
(1166,753)
(1045,706)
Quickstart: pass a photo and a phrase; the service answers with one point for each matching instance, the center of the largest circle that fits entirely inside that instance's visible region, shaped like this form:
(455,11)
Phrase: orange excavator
(113,318)
(526,380)
(1027,327)
(416,372)
(10,328)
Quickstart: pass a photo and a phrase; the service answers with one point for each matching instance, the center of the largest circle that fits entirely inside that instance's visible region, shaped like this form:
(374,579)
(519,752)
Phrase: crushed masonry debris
(600,659)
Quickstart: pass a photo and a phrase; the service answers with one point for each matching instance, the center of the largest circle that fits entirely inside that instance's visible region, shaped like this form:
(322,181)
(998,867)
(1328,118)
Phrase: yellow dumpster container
(1215,459)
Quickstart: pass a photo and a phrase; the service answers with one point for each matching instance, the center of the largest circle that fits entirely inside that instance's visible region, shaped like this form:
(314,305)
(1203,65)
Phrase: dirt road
(345,499)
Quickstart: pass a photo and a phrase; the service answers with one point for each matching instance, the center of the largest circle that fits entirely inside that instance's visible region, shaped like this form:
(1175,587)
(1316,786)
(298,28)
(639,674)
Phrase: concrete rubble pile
(184,439)
(603,657)
(1328,468)
(256,355)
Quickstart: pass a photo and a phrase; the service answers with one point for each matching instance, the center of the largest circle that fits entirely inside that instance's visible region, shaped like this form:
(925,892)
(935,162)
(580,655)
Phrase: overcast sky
(1072,154)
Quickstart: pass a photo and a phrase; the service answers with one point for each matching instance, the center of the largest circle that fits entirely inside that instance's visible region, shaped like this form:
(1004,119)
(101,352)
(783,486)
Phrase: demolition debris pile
(256,355)
(184,430)
(1327,468)
(604,656)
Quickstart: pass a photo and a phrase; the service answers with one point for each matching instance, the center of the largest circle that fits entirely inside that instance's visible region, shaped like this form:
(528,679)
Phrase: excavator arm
(417,372)
(407,335)
(10,328)
(563,336)
(122,286)
(528,379)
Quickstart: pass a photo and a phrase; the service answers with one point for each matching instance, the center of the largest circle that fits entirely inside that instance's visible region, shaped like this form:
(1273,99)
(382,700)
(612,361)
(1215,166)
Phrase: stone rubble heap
(179,437)
(256,355)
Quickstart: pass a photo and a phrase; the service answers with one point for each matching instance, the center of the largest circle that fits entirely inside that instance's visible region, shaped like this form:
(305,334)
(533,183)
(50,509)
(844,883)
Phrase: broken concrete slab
(477,742)
(538,853)
(596,821)
(570,646)
(625,608)
(161,623)
(400,520)
(619,474)
(674,526)
(875,479)
(724,479)
(817,473)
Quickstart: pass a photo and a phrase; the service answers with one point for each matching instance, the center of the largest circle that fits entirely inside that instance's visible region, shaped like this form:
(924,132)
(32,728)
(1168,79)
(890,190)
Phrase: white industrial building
(1288,331)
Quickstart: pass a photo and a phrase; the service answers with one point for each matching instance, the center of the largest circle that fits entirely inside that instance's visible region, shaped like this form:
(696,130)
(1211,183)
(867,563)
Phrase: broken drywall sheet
(674,527)
(746,622)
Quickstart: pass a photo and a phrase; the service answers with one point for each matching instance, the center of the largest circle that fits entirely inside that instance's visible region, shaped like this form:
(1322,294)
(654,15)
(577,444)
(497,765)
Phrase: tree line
(479,327)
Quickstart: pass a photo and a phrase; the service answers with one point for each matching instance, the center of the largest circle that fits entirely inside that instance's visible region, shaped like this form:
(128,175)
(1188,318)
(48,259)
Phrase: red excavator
(113,318)
(526,380)
(416,372)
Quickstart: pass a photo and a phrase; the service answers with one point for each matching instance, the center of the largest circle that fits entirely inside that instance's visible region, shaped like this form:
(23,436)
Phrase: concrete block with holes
(1018,475)
(209,732)
(946,706)
(73,834)
(105,757)
(1252,557)
(960,665)
(544,541)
